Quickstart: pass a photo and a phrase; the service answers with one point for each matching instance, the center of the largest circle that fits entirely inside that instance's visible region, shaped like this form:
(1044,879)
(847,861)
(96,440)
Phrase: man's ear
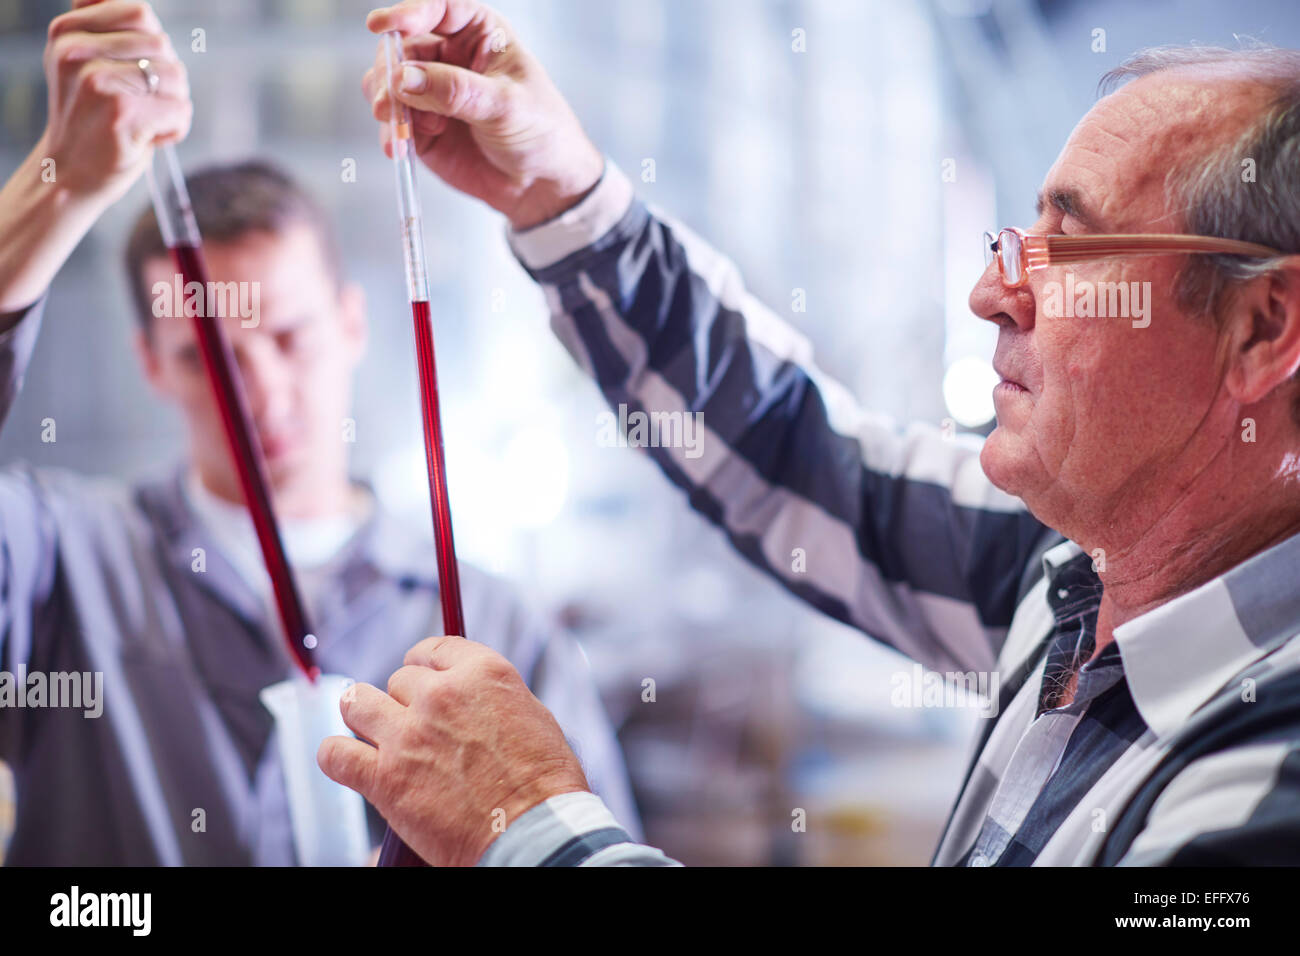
(1264,333)
(356,325)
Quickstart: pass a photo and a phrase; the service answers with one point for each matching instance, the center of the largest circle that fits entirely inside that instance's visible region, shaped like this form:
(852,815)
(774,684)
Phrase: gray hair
(1215,197)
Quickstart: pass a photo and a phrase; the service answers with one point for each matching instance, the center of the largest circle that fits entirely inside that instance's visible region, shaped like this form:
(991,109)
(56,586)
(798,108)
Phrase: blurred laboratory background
(846,154)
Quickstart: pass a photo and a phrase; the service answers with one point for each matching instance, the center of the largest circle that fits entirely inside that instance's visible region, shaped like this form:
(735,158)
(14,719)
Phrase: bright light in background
(514,358)
(399,480)
(968,207)
(968,391)
(497,491)
(535,469)
(966,8)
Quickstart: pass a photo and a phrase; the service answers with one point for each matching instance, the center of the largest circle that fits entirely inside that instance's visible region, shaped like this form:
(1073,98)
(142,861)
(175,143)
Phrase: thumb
(451,91)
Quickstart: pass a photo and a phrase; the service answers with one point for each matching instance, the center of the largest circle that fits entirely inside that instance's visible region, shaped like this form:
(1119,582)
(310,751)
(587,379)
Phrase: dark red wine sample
(453,615)
(219,362)
(394,852)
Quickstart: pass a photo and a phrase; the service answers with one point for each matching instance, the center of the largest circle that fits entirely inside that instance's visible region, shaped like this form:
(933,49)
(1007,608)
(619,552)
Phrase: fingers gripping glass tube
(408,200)
(394,852)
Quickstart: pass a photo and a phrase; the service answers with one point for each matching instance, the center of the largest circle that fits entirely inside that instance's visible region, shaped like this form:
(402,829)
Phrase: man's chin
(1003,460)
(284,469)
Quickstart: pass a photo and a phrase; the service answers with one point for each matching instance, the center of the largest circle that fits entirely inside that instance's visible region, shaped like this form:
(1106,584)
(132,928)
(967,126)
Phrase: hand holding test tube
(394,852)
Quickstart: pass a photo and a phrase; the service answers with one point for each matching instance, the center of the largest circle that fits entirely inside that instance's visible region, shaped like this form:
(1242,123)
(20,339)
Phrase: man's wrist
(41,222)
(546,199)
(578,227)
(547,829)
(559,778)
(41,169)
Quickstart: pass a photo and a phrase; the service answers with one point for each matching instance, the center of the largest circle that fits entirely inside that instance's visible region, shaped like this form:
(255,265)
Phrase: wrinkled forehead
(1132,145)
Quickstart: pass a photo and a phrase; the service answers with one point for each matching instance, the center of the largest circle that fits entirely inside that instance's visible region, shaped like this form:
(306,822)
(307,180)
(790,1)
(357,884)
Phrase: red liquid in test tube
(394,852)
(219,363)
(453,615)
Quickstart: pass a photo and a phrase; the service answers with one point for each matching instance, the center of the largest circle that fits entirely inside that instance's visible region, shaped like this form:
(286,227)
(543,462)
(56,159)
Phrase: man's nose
(992,300)
(266,379)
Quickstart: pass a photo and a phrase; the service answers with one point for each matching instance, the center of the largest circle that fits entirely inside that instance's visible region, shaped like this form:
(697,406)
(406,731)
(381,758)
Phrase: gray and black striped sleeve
(1240,807)
(895,532)
(572,829)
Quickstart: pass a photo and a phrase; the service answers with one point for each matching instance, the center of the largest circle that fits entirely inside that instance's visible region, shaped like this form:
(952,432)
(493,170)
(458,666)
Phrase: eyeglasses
(1017,253)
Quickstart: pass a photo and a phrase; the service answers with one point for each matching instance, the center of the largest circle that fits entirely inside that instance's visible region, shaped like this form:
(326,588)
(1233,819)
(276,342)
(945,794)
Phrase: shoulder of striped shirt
(1237,735)
(1271,699)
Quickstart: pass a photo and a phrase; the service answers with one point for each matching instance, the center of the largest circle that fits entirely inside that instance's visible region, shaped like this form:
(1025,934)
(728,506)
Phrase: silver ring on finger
(151,78)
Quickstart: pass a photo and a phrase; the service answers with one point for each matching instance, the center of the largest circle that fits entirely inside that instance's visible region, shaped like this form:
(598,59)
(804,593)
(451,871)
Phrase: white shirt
(309,543)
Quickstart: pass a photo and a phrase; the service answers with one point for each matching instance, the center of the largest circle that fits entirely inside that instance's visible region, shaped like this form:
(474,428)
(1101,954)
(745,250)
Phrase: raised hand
(487,119)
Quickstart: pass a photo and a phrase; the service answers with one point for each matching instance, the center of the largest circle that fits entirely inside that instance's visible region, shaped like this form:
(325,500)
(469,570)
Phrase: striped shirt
(905,539)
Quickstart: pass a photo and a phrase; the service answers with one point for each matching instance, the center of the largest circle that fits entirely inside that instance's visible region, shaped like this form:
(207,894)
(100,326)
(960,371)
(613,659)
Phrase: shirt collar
(384,546)
(1177,656)
(1058,555)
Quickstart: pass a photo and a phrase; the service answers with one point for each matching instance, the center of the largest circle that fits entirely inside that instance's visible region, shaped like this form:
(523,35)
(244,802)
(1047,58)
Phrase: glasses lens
(989,252)
(1009,250)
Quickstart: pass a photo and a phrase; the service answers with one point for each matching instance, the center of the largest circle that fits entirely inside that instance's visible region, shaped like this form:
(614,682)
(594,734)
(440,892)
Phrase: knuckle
(427,651)
(65,50)
(141,17)
(118,111)
(440,697)
(60,25)
(496,669)
(510,99)
(120,127)
(456,94)
(95,81)
(396,680)
(156,46)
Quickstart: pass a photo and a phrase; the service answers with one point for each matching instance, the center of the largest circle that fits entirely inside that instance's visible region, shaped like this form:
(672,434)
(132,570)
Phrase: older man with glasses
(1121,551)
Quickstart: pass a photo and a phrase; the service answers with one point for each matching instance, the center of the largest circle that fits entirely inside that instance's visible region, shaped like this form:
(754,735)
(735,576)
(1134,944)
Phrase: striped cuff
(564,831)
(577,228)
